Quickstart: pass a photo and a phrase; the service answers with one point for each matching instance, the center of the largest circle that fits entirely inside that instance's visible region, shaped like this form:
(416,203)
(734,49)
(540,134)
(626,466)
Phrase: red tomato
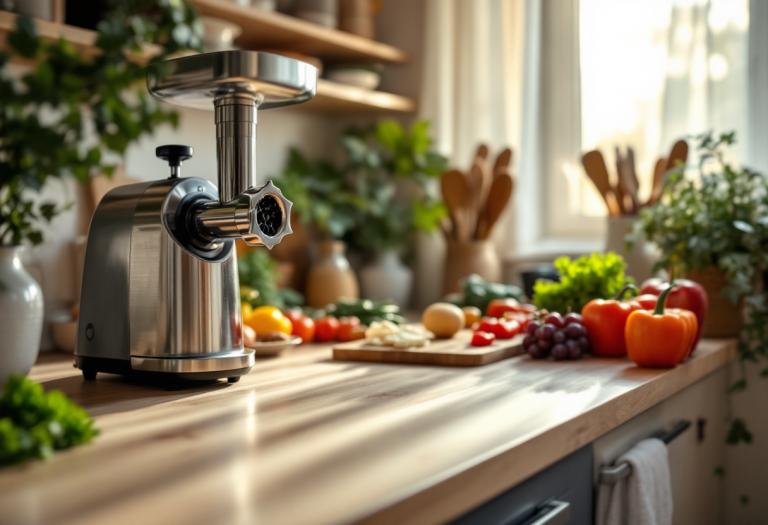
(647,301)
(486,324)
(521,318)
(501,328)
(508,329)
(350,329)
(294,314)
(482,338)
(326,328)
(497,307)
(304,327)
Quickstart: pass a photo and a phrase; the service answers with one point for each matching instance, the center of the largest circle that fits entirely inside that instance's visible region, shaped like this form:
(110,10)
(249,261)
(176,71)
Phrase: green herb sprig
(34,423)
(595,276)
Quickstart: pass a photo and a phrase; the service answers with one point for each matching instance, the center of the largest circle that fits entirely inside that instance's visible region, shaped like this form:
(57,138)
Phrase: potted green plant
(714,228)
(392,171)
(324,205)
(59,119)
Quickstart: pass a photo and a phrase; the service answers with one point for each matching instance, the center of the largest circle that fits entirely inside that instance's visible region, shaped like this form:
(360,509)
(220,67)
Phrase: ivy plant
(718,219)
(75,113)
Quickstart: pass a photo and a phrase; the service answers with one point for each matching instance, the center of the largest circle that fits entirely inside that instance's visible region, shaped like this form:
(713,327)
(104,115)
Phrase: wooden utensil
(658,181)
(498,198)
(679,154)
(618,188)
(455,194)
(627,180)
(503,162)
(594,164)
(482,152)
(476,181)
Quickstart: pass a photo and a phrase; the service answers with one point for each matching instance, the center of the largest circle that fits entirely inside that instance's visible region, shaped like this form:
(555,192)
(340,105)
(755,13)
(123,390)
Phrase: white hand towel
(643,498)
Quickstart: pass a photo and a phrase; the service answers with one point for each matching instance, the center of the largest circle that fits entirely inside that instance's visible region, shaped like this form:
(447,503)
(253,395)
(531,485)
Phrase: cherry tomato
(507,329)
(521,318)
(326,328)
(486,324)
(482,338)
(294,314)
(350,329)
(497,307)
(304,327)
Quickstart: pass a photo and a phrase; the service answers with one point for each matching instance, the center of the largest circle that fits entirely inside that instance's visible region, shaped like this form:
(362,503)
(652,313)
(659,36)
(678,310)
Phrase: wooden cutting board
(452,352)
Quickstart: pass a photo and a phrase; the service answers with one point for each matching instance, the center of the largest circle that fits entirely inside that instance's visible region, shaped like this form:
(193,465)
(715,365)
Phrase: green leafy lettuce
(595,276)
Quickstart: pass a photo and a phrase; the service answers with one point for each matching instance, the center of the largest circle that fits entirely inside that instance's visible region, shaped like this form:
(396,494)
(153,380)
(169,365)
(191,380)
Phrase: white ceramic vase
(21,315)
(387,278)
(640,259)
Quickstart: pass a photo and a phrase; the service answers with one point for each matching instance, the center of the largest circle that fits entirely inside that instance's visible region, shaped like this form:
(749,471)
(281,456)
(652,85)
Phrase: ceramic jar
(330,276)
(464,258)
(640,259)
(387,278)
(21,315)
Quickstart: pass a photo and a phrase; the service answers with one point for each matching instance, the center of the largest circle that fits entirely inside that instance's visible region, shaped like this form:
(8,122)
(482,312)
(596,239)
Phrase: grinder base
(93,365)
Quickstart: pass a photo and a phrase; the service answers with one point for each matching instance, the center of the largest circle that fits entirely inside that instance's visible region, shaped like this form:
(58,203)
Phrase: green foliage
(366,310)
(359,200)
(69,114)
(479,293)
(319,195)
(595,276)
(34,423)
(377,158)
(720,219)
(258,282)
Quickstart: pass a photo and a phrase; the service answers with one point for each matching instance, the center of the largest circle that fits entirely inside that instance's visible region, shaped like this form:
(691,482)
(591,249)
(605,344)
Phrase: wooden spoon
(482,152)
(628,180)
(502,162)
(455,194)
(658,181)
(679,154)
(594,164)
(498,198)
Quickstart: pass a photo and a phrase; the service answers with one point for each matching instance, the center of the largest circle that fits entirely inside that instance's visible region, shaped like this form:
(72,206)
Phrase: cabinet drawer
(567,481)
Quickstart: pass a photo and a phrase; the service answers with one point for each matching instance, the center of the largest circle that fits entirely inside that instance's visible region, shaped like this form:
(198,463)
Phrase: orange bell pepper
(605,321)
(662,338)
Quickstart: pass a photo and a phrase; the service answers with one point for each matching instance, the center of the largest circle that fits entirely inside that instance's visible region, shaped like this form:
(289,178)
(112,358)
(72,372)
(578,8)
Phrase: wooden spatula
(498,198)
(628,180)
(479,183)
(594,164)
(455,194)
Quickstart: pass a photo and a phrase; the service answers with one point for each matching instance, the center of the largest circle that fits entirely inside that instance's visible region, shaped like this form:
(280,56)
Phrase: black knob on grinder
(175,154)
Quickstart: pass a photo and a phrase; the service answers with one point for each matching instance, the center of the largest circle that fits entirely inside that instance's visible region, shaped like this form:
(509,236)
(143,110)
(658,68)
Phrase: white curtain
(471,93)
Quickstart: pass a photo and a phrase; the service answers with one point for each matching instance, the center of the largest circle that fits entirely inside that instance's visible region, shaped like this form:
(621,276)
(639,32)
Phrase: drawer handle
(552,513)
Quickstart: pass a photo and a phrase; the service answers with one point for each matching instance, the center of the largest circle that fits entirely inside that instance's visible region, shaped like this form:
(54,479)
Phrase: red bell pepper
(605,321)
(688,295)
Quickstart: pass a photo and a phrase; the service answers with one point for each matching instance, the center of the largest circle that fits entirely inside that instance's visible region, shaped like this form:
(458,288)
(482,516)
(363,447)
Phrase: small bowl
(361,78)
(64,335)
(272,348)
(219,33)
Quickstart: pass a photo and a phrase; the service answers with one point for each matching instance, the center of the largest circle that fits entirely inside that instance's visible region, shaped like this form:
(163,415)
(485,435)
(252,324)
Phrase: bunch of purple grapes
(562,337)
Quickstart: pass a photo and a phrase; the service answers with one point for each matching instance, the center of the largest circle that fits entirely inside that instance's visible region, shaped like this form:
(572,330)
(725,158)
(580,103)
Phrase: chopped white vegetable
(387,333)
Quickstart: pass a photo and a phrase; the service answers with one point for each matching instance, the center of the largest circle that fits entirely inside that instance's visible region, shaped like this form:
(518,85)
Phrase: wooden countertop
(304,439)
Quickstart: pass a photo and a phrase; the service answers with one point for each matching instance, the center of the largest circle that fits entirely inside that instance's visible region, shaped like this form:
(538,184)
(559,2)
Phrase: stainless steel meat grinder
(160,294)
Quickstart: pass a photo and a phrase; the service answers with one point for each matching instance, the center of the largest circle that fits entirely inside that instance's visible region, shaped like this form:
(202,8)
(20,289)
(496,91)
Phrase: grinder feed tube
(260,216)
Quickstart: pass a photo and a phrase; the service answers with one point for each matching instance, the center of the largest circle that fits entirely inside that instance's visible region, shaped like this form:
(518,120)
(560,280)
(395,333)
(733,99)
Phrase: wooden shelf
(264,30)
(331,97)
(82,39)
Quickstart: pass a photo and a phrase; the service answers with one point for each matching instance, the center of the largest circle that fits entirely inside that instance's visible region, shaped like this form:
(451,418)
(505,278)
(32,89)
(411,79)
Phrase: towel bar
(611,475)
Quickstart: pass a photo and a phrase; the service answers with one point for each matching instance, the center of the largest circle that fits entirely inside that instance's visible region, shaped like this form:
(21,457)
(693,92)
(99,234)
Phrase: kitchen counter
(304,439)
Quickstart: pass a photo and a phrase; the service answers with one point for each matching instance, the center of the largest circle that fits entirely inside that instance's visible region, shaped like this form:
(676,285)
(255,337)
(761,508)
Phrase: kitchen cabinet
(560,494)
(694,456)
